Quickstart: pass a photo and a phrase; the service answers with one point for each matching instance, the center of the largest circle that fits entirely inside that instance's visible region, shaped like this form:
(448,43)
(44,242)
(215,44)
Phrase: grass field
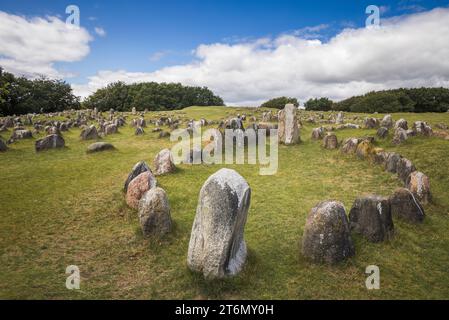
(65,207)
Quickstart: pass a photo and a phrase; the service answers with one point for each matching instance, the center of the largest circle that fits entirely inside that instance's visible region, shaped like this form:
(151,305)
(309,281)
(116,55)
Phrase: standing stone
(371,216)
(423,128)
(364,149)
(401,123)
(330,141)
(134,111)
(288,130)
(138,186)
(110,129)
(217,247)
(387,121)
(89,133)
(392,161)
(418,183)
(163,163)
(404,168)
(350,145)
(154,212)
(371,123)
(52,141)
(382,132)
(139,131)
(138,168)
(326,234)
(406,206)
(340,118)
(400,135)
(3,146)
(318,133)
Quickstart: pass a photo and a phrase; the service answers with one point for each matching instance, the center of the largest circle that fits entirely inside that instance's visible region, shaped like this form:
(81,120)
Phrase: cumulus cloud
(406,51)
(30,47)
(100,31)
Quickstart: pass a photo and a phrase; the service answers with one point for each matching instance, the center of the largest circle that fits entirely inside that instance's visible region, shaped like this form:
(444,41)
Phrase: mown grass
(66,207)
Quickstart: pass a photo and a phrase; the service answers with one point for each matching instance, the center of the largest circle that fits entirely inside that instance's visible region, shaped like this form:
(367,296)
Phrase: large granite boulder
(387,121)
(401,123)
(404,168)
(371,216)
(391,162)
(138,186)
(371,123)
(406,206)
(89,133)
(419,184)
(326,234)
(53,141)
(288,129)
(163,162)
(99,146)
(318,133)
(350,145)
(139,167)
(217,247)
(364,149)
(400,135)
(382,132)
(330,141)
(154,212)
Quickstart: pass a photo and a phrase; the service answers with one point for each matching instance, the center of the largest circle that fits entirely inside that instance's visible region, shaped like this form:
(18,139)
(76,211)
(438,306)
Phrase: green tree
(321,104)
(279,103)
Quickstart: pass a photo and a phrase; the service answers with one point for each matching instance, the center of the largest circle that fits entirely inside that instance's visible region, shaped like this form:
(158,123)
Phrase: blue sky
(147,36)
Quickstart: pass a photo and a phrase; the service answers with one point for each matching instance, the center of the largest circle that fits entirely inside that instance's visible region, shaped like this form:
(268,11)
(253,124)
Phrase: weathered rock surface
(401,123)
(371,123)
(371,216)
(89,133)
(318,133)
(99,146)
(139,167)
(154,212)
(52,141)
(217,247)
(392,160)
(364,149)
(400,135)
(404,205)
(330,141)
(138,186)
(326,234)
(163,162)
(419,184)
(350,145)
(382,132)
(288,130)
(387,121)
(404,168)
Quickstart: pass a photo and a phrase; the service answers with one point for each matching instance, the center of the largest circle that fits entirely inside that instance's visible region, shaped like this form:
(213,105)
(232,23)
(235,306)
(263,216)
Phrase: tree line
(388,101)
(19,95)
(152,96)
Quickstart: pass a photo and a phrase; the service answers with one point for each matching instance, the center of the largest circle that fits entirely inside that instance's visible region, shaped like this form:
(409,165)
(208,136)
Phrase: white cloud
(407,51)
(30,47)
(100,31)
(156,56)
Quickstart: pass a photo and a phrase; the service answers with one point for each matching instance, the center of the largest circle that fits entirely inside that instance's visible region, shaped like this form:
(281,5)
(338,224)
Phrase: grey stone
(99,146)
(404,168)
(382,132)
(217,247)
(330,141)
(387,121)
(288,125)
(138,168)
(163,162)
(371,216)
(154,212)
(405,206)
(89,133)
(326,237)
(52,141)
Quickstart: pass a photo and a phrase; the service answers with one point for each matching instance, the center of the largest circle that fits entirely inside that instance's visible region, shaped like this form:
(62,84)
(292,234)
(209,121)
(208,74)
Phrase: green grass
(66,207)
